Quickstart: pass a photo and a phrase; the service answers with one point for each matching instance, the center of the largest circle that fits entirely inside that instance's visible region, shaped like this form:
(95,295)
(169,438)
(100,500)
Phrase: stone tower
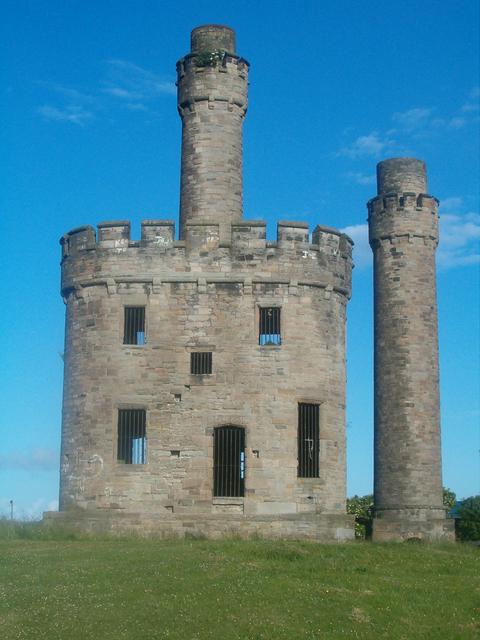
(204,386)
(212,102)
(403,229)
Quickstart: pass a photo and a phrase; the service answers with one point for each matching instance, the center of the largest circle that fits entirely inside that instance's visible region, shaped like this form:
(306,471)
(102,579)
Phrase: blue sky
(90,132)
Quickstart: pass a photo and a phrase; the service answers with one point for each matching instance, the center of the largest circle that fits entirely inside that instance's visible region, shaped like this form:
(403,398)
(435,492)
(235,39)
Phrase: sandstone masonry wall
(203,294)
(403,228)
(212,102)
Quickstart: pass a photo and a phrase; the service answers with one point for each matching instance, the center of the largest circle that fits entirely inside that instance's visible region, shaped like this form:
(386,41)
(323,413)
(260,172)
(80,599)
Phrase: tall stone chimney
(403,229)
(212,102)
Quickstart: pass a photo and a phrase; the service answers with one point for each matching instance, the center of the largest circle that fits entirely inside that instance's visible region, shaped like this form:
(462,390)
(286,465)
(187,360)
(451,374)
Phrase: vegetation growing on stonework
(209,58)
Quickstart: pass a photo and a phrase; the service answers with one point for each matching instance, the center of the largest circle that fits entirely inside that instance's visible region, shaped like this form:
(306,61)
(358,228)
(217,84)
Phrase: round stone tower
(204,387)
(403,229)
(212,102)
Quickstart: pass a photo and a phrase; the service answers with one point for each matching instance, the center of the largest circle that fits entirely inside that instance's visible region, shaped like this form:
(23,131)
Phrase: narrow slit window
(229,462)
(308,440)
(132,436)
(201,363)
(269,332)
(134,326)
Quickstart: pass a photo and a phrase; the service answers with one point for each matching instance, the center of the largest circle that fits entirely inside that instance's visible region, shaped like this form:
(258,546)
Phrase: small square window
(201,362)
(134,326)
(269,331)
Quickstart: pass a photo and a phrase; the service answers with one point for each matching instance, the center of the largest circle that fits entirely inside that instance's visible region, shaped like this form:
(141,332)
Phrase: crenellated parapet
(209,250)
(404,215)
(221,84)
(402,210)
(212,75)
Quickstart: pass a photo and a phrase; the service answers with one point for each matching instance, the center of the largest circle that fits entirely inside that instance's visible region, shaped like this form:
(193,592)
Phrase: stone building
(204,387)
(204,382)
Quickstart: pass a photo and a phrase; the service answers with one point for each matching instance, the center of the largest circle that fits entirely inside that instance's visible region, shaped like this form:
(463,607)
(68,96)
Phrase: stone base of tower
(399,525)
(328,527)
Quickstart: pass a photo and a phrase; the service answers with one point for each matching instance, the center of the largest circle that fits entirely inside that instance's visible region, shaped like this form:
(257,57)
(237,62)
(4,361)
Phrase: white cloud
(129,81)
(136,106)
(457,122)
(362,254)
(470,107)
(415,118)
(454,203)
(408,127)
(473,103)
(36,459)
(459,240)
(369,145)
(118,92)
(73,95)
(76,114)
(52,505)
(27,511)
(123,84)
(361,178)
(421,121)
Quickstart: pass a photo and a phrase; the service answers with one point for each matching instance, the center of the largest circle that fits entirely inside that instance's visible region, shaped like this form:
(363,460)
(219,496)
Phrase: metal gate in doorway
(229,461)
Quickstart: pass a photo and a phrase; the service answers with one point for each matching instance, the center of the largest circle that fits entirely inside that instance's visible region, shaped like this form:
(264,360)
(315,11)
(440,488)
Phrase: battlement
(220,84)
(397,201)
(208,247)
(405,214)
(226,61)
(206,234)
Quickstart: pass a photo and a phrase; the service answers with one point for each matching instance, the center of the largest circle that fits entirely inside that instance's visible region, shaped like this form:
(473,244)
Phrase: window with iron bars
(229,461)
(201,362)
(132,436)
(134,326)
(269,330)
(308,440)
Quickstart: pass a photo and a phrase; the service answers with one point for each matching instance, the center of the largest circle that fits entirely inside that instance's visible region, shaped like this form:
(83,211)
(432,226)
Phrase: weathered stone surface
(315,527)
(212,102)
(403,226)
(203,293)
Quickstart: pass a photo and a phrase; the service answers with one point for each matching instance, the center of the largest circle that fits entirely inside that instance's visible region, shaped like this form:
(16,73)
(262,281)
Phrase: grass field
(195,589)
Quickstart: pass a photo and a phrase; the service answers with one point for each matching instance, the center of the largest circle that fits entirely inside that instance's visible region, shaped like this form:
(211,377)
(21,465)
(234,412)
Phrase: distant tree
(362,508)
(449,498)
(467,522)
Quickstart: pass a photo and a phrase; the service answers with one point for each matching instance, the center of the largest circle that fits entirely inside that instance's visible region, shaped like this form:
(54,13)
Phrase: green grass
(196,589)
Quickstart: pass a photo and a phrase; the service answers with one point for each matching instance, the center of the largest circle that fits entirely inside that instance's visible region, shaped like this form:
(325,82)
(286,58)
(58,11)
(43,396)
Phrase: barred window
(132,436)
(134,325)
(229,461)
(308,440)
(201,362)
(269,331)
